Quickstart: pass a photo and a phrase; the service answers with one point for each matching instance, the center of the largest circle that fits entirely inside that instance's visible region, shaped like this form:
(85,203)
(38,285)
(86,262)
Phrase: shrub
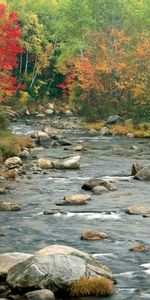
(4,124)
(91,287)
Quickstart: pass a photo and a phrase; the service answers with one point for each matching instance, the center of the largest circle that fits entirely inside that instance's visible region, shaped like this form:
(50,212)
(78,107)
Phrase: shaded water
(30,230)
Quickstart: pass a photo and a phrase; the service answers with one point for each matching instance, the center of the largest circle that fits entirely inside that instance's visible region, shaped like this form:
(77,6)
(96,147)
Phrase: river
(30,230)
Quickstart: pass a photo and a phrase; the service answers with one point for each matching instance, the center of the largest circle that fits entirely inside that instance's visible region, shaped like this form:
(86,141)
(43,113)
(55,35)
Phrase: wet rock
(64,143)
(136,167)
(76,199)
(43,139)
(44,163)
(108,184)
(98,190)
(54,272)
(13,162)
(9,206)
(137,209)
(113,120)
(52,132)
(140,248)
(51,212)
(39,295)
(8,260)
(143,174)
(94,235)
(34,151)
(104,131)
(72,162)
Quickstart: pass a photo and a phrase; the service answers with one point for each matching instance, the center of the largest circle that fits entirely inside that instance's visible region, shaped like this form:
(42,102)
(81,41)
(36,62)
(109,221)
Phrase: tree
(10,47)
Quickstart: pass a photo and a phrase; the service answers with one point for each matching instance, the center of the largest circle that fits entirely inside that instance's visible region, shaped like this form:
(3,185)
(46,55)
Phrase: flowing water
(30,230)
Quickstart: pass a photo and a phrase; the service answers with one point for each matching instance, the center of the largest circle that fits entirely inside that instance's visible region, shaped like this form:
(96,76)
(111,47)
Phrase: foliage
(10,47)
(141,130)
(91,287)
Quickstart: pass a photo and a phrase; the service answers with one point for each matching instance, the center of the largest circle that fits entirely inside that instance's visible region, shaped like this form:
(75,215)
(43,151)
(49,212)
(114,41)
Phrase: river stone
(54,272)
(108,184)
(143,174)
(68,163)
(77,198)
(104,131)
(98,190)
(43,139)
(140,248)
(94,235)
(9,206)
(44,163)
(24,154)
(93,131)
(13,161)
(8,260)
(137,209)
(39,295)
(136,167)
(52,132)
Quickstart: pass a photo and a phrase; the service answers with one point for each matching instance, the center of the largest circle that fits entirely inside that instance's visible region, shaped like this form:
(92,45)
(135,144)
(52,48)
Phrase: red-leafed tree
(10,47)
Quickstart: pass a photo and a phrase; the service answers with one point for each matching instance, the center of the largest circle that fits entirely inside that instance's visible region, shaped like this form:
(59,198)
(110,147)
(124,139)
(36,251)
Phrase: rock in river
(9,206)
(137,209)
(39,295)
(143,174)
(68,163)
(94,235)
(76,199)
(55,272)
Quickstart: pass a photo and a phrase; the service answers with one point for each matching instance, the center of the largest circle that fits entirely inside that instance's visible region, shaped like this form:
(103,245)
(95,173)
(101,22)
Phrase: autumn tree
(10,36)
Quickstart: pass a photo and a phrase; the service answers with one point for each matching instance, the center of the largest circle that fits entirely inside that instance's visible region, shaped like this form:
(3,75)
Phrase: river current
(30,230)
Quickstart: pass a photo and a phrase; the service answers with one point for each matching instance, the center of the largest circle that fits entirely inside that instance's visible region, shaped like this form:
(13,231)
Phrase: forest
(91,55)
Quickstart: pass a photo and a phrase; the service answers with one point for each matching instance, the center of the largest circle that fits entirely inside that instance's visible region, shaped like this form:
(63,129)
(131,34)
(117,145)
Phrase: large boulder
(68,163)
(55,272)
(8,260)
(136,167)
(113,120)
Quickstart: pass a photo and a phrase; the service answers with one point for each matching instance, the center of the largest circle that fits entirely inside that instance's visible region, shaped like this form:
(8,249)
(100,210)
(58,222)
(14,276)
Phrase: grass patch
(97,125)
(11,145)
(91,287)
(140,130)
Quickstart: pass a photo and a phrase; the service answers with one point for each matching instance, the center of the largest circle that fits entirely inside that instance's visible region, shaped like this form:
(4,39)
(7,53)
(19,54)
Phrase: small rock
(72,162)
(52,132)
(130,135)
(98,190)
(136,167)
(9,206)
(137,209)
(143,174)
(49,111)
(139,248)
(50,212)
(24,154)
(93,235)
(104,131)
(39,295)
(44,163)
(77,199)
(13,161)
(93,131)
(3,190)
